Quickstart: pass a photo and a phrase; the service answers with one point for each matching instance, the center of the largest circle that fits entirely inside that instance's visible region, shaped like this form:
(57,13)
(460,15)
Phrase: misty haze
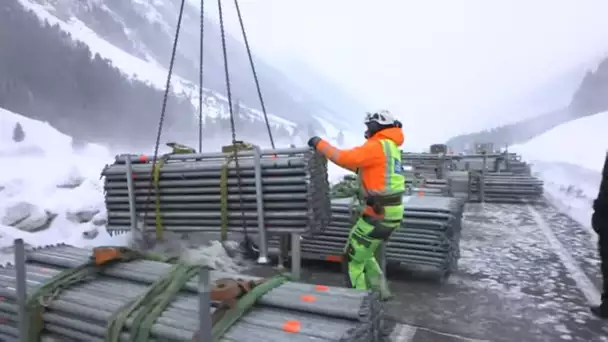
(247,136)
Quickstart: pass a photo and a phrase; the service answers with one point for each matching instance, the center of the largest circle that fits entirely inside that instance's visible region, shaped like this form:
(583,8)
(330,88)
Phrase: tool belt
(377,203)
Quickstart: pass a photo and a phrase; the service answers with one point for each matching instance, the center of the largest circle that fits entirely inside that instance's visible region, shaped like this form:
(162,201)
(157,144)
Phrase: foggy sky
(440,63)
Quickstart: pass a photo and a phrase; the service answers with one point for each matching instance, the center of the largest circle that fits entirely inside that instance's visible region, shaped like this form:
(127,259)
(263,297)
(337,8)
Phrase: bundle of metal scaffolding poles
(427,164)
(280,191)
(505,187)
(478,162)
(81,311)
(429,235)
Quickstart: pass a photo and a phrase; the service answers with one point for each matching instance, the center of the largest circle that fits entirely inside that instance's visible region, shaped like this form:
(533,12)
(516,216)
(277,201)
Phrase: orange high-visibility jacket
(368,159)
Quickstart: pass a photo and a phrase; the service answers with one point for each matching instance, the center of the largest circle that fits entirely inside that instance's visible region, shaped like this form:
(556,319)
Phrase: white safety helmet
(382,117)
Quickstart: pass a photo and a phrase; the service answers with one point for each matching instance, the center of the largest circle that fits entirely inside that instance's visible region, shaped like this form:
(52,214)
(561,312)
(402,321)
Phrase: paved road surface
(526,274)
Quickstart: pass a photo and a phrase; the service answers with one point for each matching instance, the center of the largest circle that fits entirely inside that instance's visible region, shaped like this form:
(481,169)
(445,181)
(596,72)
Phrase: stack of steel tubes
(281,191)
(505,187)
(429,235)
(292,311)
(427,165)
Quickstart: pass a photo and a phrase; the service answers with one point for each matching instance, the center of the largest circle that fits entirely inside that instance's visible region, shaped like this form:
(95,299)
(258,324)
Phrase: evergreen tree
(340,138)
(18,133)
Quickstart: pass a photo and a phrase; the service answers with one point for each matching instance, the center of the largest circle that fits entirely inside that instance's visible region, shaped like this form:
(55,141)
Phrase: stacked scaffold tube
(280,191)
(93,308)
(429,236)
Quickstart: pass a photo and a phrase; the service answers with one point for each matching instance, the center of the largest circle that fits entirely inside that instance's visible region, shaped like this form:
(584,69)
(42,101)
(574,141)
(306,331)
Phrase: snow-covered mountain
(137,36)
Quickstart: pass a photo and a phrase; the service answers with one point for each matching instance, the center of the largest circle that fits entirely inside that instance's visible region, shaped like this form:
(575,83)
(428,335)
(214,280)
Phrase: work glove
(312,142)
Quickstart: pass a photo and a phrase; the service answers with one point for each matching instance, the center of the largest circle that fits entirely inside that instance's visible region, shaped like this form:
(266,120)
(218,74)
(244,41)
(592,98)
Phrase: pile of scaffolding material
(505,187)
(460,183)
(517,166)
(427,165)
(284,191)
(81,312)
(429,235)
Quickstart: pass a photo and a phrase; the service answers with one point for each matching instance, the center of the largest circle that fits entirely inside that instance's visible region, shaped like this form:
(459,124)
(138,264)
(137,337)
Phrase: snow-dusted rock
(90,234)
(101,219)
(73,180)
(215,256)
(27,217)
(82,216)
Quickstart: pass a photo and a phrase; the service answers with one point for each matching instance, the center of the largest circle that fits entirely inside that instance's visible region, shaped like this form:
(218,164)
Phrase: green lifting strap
(245,303)
(224,200)
(176,149)
(237,146)
(52,289)
(146,308)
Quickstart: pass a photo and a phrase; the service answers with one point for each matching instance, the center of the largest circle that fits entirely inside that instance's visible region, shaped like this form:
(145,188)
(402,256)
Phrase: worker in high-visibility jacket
(378,164)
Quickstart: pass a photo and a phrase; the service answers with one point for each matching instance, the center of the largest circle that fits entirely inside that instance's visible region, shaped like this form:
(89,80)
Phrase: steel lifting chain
(235,143)
(235,146)
(200,79)
(164,106)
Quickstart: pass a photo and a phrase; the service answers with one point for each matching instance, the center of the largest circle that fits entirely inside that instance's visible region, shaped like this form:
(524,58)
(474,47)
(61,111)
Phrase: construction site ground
(526,273)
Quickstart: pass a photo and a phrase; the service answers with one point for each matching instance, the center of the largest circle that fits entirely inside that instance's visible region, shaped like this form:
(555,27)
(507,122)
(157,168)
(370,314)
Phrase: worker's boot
(385,292)
(379,284)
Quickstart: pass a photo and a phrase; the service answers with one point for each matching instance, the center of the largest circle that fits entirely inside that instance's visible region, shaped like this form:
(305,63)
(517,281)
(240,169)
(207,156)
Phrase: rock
(81,216)
(100,219)
(28,217)
(90,234)
(74,180)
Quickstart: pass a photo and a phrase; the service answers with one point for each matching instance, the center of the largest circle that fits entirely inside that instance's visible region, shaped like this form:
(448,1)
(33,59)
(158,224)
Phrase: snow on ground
(50,193)
(569,159)
(43,181)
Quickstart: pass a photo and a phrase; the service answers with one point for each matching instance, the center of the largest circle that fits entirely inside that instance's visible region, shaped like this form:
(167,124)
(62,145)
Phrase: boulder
(27,217)
(82,215)
(73,180)
(90,234)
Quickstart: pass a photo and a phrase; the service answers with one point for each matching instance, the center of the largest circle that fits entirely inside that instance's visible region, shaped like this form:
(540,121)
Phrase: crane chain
(232,123)
(164,110)
(253,70)
(200,79)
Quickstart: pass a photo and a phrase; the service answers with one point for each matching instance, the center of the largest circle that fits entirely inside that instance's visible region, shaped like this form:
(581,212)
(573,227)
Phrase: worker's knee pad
(359,252)
(381,232)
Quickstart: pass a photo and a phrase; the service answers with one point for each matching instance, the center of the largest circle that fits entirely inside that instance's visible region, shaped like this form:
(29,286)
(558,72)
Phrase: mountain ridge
(144,30)
(586,99)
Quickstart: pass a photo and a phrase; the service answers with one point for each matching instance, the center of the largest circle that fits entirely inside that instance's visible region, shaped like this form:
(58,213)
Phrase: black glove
(312,142)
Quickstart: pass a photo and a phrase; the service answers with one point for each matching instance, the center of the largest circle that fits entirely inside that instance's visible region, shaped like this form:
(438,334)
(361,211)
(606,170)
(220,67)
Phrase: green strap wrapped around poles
(146,308)
(224,200)
(156,179)
(176,149)
(50,290)
(235,147)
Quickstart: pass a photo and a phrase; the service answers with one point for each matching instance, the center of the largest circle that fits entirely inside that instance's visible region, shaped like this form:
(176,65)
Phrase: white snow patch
(33,178)
(569,159)
(582,142)
(571,188)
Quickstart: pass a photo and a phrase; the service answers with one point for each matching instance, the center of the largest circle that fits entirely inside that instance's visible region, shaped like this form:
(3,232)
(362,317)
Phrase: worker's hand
(312,142)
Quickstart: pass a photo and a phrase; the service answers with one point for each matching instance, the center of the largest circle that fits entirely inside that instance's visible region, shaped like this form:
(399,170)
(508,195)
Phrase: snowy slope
(60,187)
(582,142)
(569,158)
(32,171)
(144,68)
